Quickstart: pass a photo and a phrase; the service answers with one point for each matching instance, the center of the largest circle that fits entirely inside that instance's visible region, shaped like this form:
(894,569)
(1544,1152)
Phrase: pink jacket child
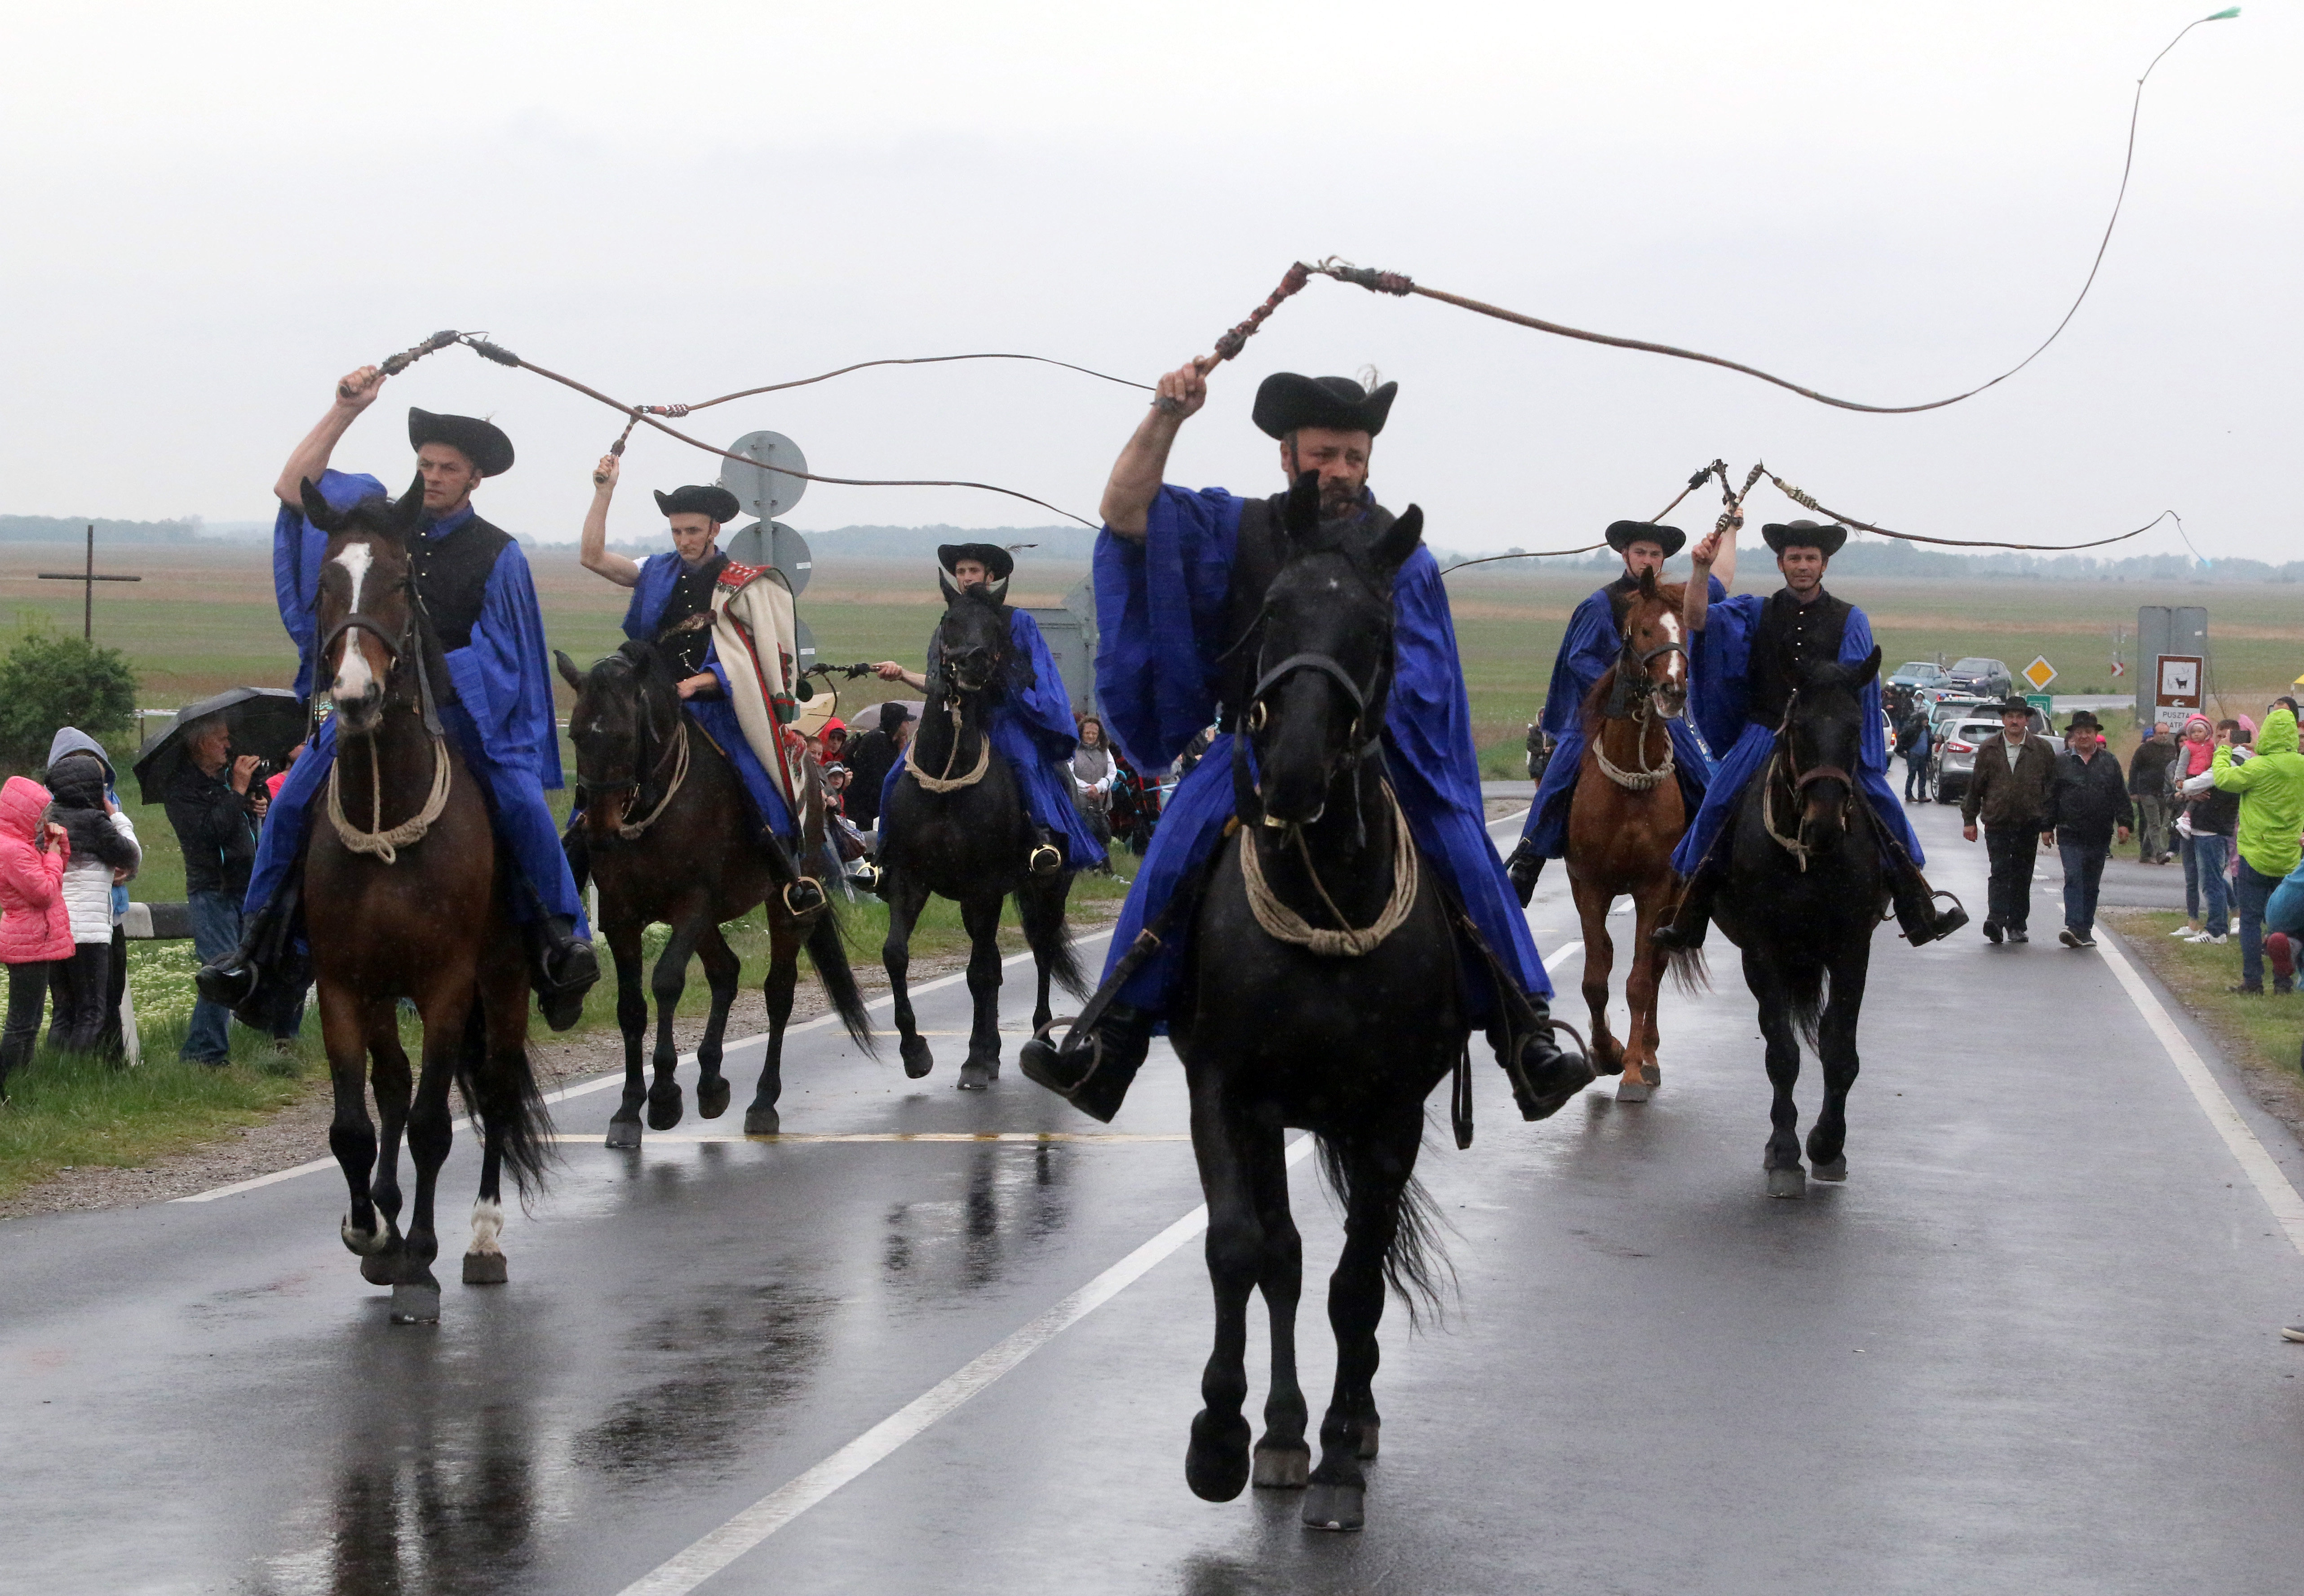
(34,923)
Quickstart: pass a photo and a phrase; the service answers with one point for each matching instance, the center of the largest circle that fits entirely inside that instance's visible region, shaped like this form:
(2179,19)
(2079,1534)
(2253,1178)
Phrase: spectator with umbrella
(214,803)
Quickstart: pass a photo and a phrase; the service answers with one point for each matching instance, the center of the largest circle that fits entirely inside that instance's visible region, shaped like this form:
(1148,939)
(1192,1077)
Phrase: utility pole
(88,578)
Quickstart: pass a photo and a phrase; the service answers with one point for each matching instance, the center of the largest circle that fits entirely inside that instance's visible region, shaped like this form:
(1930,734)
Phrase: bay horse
(1625,818)
(1804,889)
(404,896)
(668,835)
(1343,1031)
(955,826)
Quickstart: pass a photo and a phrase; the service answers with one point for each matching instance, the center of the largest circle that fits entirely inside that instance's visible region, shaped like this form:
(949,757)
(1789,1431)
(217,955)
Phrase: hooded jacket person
(1180,577)
(103,841)
(35,926)
(474,586)
(2271,789)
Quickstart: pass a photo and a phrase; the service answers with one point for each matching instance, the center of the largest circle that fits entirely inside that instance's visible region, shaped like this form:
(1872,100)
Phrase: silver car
(1954,755)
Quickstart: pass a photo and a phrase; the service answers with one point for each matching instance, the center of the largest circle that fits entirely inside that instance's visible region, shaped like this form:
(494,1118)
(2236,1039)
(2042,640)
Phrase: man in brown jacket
(2009,788)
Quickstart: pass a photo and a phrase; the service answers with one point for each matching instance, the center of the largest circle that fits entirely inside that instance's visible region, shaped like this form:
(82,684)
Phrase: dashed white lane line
(2272,1184)
(586,1088)
(685,1570)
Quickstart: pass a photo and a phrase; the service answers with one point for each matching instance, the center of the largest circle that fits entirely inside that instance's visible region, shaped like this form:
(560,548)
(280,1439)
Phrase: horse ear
(1649,582)
(950,591)
(568,671)
(317,509)
(1400,539)
(1871,666)
(408,509)
(1302,517)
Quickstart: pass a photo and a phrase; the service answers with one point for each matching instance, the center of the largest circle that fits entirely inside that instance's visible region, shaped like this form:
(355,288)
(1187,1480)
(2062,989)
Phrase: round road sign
(773,543)
(760,487)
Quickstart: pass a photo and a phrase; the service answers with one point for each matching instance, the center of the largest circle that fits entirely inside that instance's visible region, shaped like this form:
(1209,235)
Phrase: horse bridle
(397,646)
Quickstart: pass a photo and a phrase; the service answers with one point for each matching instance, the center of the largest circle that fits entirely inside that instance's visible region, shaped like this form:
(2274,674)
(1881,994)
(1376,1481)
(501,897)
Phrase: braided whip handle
(394,364)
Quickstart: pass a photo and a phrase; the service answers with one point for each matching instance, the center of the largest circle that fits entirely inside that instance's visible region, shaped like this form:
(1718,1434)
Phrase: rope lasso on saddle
(385,845)
(1284,924)
(948,782)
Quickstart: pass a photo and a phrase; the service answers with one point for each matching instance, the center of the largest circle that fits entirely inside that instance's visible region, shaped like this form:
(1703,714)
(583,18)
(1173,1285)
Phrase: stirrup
(1041,1053)
(807,885)
(1046,859)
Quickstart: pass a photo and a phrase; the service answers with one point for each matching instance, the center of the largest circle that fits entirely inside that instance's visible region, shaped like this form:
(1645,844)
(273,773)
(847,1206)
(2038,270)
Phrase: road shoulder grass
(2262,1036)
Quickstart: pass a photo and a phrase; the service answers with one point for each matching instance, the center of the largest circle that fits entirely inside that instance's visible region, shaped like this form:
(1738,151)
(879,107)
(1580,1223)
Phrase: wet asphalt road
(2029,1346)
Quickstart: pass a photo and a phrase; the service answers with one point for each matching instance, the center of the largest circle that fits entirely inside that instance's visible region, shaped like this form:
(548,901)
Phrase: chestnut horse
(403,897)
(1626,818)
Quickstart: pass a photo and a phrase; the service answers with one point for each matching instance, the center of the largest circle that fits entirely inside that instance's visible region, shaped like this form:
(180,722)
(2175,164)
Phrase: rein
(948,782)
(1782,759)
(631,830)
(1284,924)
(384,845)
(1642,777)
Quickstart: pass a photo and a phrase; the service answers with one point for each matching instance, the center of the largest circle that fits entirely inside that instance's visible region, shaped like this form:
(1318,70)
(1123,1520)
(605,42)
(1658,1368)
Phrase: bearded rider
(1179,578)
(672,608)
(1749,655)
(1589,651)
(473,583)
(1029,720)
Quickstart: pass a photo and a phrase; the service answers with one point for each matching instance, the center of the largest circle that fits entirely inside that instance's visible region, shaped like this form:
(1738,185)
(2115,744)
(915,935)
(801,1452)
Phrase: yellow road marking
(1018,1137)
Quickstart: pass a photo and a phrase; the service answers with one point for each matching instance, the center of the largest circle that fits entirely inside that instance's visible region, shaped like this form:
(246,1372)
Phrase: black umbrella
(265,721)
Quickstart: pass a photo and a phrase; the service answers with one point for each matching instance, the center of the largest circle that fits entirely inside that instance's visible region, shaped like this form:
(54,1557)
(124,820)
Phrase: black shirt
(216,830)
(1791,636)
(2086,798)
(685,630)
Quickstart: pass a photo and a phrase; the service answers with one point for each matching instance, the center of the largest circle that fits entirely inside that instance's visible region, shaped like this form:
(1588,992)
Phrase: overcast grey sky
(214,211)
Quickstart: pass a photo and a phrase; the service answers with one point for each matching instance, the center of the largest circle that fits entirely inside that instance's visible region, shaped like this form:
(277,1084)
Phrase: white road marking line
(616,1078)
(685,1570)
(2271,1181)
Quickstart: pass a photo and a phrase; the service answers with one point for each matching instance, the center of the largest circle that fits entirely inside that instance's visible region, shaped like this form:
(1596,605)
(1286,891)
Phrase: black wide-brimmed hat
(1804,534)
(1285,401)
(2013,706)
(716,504)
(1623,534)
(998,564)
(2082,718)
(483,443)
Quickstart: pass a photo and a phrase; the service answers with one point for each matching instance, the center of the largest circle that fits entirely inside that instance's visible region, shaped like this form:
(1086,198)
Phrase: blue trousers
(1547,830)
(1734,773)
(216,931)
(516,806)
(718,719)
(2083,874)
(1452,840)
(2206,855)
(2252,895)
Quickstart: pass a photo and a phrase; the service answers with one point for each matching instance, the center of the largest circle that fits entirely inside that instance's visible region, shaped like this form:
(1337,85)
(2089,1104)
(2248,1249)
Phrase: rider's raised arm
(1714,557)
(1143,463)
(355,392)
(593,550)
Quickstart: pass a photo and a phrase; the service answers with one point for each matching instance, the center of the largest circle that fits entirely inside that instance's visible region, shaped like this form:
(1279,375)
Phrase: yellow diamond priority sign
(2039,674)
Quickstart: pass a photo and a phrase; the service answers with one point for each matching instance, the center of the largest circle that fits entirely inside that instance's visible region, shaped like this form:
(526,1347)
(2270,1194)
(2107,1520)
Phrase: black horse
(1803,890)
(1344,1031)
(956,825)
(668,833)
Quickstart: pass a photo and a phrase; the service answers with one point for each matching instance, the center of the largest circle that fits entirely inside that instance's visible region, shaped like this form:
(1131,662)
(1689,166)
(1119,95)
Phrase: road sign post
(2178,686)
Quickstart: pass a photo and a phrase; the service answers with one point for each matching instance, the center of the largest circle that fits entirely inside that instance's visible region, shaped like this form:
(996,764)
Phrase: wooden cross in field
(88,578)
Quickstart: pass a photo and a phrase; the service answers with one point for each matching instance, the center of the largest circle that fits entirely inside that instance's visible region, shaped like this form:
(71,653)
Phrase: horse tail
(1040,906)
(1802,982)
(507,1094)
(1690,975)
(827,950)
(1415,1259)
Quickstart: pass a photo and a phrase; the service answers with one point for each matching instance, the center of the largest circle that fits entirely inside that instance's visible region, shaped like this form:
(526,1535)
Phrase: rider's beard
(1340,497)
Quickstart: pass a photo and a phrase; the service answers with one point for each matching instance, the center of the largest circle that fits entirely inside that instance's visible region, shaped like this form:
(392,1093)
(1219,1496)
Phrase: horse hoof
(1368,1429)
(415,1302)
(367,1244)
(624,1132)
(664,1106)
(1280,1467)
(1788,1181)
(1335,1507)
(712,1097)
(378,1268)
(1835,1170)
(762,1122)
(977,1074)
(918,1060)
(1608,1061)
(1216,1463)
(486,1269)
(1631,1090)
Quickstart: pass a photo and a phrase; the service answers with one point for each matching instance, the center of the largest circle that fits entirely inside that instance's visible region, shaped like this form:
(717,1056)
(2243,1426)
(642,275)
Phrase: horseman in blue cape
(1750,654)
(672,608)
(1180,578)
(1589,651)
(1029,721)
(473,583)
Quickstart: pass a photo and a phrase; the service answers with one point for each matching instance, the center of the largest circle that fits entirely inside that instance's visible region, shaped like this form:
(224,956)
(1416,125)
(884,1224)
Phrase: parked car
(1952,707)
(1920,674)
(1954,756)
(1888,730)
(1986,678)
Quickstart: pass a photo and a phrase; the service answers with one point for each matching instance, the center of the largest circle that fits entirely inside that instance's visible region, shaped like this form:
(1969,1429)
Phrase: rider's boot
(1691,917)
(238,978)
(563,967)
(1093,1068)
(803,894)
(1046,859)
(1544,1074)
(1916,908)
(1525,865)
